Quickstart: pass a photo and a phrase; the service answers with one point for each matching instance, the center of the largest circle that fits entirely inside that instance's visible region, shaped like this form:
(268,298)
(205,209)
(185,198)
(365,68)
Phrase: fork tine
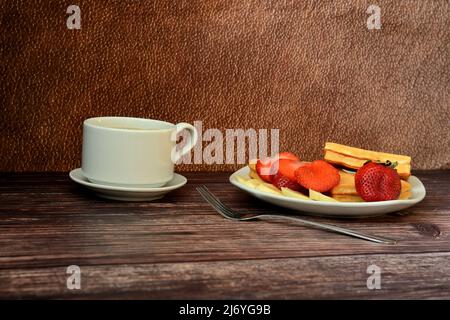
(220,203)
(215,202)
(208,199)
(212,200)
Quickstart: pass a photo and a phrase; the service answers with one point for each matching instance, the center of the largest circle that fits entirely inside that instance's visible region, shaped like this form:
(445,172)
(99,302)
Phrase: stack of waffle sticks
(353,158)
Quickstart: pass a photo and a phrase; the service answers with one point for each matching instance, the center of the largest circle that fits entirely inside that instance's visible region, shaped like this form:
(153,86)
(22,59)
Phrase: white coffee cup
(132,152)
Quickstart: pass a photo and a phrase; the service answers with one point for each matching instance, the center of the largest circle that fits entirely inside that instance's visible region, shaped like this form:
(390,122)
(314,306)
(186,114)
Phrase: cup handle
(193,137)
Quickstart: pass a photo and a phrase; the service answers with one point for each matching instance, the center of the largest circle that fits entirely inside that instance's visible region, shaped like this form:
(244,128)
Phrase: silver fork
(228,213)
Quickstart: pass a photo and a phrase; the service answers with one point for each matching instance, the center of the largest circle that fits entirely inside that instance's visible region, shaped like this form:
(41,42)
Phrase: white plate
(128,194)
(335,209)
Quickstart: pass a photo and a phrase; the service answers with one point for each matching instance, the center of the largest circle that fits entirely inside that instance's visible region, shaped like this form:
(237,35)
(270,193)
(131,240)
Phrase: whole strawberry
(378,182)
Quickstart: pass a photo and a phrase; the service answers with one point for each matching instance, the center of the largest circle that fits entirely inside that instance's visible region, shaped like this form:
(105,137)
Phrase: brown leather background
(309,68)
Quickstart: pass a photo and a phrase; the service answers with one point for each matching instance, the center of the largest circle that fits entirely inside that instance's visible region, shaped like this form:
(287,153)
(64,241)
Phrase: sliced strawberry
(268,167)
(281,181)
(286,167)
(318,175)
(264,169)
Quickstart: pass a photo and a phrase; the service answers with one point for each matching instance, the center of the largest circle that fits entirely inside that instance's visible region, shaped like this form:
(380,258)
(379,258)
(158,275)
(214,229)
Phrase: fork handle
(324,226)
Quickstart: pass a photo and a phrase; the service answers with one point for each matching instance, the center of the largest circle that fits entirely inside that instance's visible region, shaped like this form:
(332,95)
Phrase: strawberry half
(318,175)
(281,181)
(377,182)
(286,167)
(264,169)
(268,167)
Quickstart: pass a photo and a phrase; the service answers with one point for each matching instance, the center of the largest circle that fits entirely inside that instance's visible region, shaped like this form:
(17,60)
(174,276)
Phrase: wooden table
(178,247)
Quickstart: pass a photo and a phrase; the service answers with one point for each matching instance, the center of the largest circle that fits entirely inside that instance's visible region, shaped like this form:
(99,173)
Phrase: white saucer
(125,193)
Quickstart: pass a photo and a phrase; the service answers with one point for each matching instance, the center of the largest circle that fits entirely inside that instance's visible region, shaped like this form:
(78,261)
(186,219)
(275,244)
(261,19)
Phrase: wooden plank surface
(343,277)
(178,247)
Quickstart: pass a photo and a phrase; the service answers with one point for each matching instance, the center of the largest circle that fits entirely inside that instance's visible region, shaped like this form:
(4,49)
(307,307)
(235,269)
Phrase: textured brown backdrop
(309,68)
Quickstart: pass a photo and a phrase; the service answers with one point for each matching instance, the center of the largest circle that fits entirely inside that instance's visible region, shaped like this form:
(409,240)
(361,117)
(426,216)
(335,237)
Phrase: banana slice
(266,187)
(252,183)
(242,179)
(314,195)
(293,194)
(254,175)
(252,164)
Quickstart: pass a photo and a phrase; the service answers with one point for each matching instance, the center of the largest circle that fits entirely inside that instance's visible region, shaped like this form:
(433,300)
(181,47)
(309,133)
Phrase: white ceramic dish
(335,209)
(125,193)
